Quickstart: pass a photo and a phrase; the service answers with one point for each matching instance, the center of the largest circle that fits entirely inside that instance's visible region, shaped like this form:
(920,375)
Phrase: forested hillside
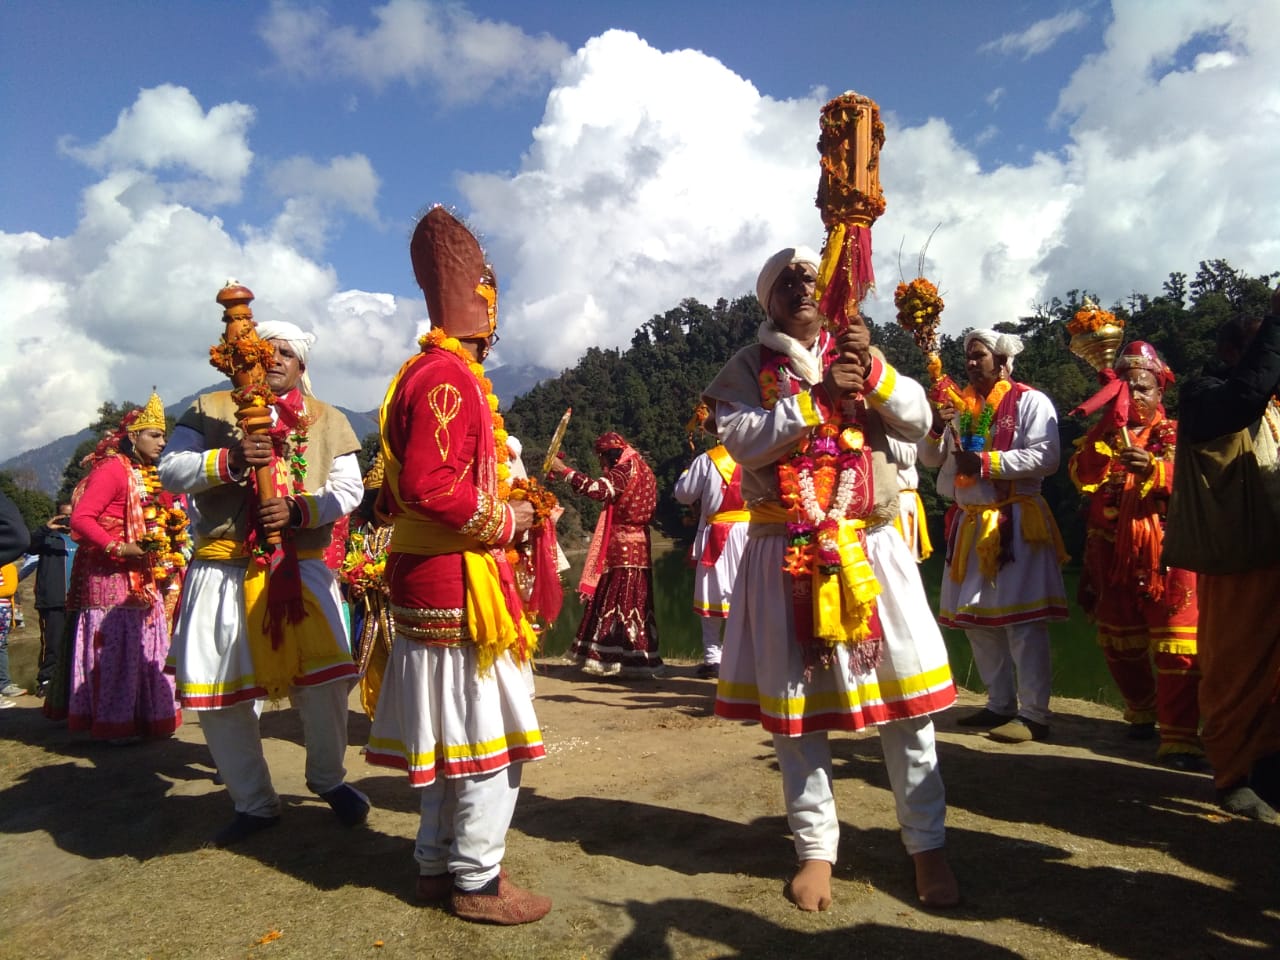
(648,392)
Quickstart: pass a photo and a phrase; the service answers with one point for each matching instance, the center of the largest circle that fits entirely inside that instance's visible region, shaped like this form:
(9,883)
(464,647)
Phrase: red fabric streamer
(548,594)
(1115,391)
(853,277)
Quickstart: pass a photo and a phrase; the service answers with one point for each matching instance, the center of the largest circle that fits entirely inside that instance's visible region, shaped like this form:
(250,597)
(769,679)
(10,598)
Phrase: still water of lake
(1078,666)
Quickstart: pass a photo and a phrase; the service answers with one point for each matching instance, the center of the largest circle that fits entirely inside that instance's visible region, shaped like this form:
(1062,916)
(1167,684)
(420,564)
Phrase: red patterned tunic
(618,634)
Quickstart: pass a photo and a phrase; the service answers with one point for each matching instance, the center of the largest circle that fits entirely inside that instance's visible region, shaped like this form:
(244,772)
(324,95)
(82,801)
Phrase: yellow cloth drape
(730,516)
(981,524)
(923,544)
(844,601)
(309,641)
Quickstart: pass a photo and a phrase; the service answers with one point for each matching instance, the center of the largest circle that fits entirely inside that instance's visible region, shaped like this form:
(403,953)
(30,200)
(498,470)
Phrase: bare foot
(811,886)
(936,885)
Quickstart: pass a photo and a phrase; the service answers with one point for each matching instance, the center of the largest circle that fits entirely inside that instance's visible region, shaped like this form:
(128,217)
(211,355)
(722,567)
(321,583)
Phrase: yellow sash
(306,645)
(924,544)
(730,516)
(842,601)
(981,524)
(724,464)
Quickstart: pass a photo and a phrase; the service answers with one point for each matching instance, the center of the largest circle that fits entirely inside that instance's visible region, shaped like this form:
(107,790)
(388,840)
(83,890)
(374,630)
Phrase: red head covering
(460,289)
(1140,355)
(610,441)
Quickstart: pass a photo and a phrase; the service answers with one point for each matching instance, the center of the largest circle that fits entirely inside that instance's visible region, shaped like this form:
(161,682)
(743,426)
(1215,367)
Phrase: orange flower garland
(1090,318)
(165,524)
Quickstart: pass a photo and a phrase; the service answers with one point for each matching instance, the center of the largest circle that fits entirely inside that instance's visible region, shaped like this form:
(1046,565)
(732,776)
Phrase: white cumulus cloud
(167,131)
(127,300)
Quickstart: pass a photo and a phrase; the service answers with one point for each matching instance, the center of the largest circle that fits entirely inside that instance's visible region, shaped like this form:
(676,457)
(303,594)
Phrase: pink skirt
(118,684)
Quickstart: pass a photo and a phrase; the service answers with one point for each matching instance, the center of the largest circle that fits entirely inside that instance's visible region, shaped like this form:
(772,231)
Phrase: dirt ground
(657,829)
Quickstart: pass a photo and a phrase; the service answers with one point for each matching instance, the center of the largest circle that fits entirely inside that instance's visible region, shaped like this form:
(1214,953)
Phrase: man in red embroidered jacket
(456,710)
(1002,583)
(1144,610)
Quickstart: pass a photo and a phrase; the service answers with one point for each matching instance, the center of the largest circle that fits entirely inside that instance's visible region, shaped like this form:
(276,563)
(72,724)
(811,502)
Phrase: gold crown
(152,415)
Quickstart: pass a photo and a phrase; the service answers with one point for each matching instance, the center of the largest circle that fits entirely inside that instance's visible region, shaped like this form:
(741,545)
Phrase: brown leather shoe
(433,888)
(509,906)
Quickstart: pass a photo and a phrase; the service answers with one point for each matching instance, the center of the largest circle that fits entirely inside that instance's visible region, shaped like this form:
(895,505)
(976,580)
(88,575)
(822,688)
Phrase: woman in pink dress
(130,533)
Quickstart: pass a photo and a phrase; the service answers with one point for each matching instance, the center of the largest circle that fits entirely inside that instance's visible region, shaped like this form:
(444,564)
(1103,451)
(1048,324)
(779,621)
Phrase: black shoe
(42,689)
(1141,731)
(708,671)
(351,806)
(243,826)
(984,718)
(1186,762)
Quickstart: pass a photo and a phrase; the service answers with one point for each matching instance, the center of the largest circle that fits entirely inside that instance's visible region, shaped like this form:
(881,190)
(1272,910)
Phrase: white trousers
(1022,648)
(911,759)
(235,740)
(712,627)
(464,824)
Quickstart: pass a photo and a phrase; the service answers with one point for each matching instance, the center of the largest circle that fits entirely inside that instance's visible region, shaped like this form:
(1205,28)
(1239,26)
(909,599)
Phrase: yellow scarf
(307,645)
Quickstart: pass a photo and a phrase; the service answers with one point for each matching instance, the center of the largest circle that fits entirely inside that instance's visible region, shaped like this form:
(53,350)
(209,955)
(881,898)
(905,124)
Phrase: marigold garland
(919,310)
(242,354)
(974,421)
(1090,318)
(816,482)
(539,497)
(165,525)
(364,566)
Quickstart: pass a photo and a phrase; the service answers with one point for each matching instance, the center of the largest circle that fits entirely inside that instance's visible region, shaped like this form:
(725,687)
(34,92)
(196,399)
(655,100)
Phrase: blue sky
(616,157)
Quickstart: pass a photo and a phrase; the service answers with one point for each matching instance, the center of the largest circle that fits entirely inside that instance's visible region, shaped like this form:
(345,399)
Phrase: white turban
(1005,345)
(297,338)
(774,266)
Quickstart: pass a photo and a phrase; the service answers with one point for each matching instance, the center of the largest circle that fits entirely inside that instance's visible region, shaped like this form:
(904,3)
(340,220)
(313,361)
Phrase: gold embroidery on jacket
(444,401)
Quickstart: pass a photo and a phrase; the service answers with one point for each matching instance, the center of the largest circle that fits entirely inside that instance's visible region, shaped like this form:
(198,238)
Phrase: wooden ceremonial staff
(850,199)
(243,357)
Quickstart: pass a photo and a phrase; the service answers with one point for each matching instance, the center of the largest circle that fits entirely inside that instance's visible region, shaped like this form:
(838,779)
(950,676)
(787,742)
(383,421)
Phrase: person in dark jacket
(54,549)
(1239,631)
(14,537)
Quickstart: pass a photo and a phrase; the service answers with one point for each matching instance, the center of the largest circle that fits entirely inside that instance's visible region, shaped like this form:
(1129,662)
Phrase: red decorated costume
(130,533)
(618,635)
(455,710)
(1144,610)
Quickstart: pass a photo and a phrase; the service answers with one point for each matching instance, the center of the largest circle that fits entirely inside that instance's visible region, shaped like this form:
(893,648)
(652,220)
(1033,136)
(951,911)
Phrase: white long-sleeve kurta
(210,652)
(762,675)
(1029,586)
(713,582)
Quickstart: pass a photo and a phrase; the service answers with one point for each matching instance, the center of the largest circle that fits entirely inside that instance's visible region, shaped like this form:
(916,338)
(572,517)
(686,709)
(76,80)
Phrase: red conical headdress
(460,289)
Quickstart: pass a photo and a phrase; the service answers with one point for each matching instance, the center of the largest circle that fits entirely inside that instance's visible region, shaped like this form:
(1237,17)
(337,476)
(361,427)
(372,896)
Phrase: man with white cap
(1002,582)
(831,628)
(261,621)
